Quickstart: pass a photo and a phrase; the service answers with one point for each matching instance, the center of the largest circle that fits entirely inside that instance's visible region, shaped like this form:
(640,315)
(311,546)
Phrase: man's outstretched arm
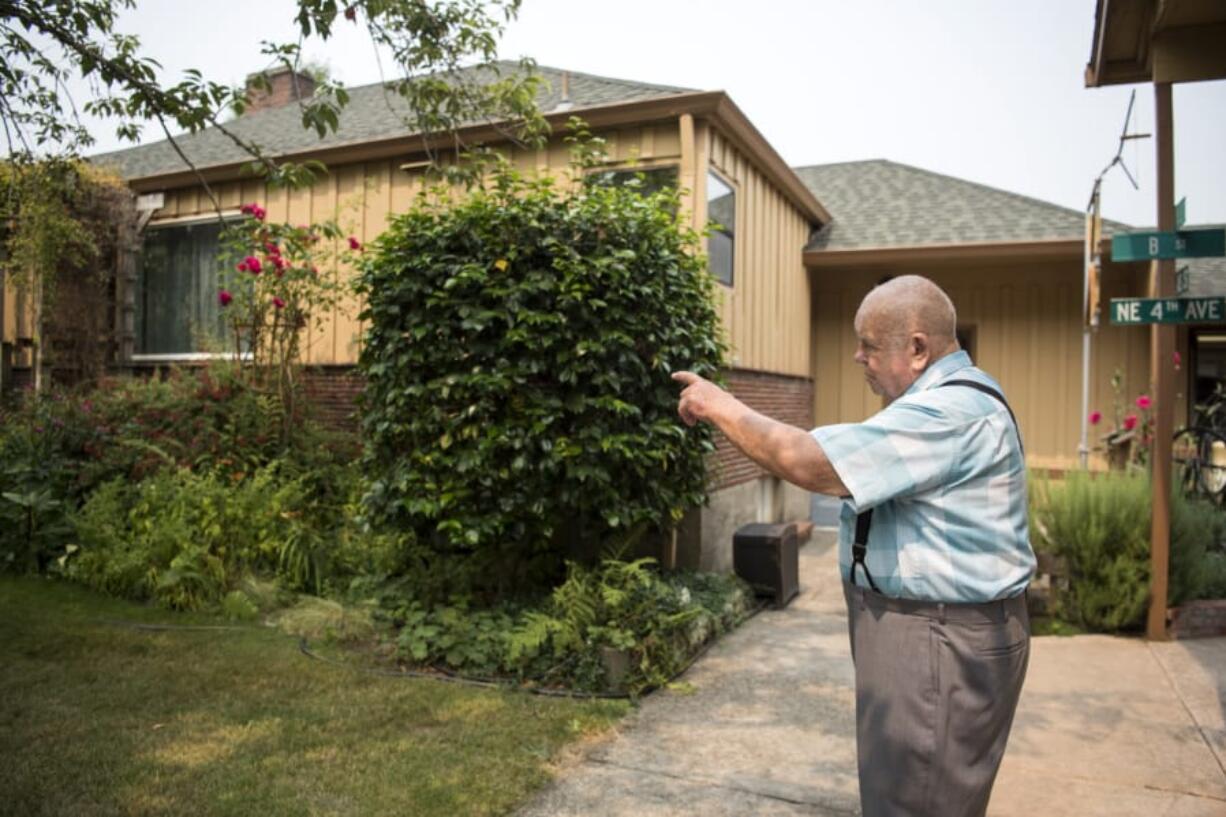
(786,451)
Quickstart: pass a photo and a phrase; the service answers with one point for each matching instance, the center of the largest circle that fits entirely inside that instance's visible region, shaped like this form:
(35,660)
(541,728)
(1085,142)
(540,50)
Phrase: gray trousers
(936,689)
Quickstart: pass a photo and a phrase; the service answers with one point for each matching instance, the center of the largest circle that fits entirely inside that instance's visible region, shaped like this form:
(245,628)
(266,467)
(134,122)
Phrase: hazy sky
(987,90)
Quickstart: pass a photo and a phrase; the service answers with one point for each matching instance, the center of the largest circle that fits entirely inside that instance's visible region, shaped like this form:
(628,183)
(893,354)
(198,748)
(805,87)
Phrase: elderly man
(933,548)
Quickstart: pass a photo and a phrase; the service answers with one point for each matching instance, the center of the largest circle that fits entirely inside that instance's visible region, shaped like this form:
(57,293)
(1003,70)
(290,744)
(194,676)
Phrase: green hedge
(519,404)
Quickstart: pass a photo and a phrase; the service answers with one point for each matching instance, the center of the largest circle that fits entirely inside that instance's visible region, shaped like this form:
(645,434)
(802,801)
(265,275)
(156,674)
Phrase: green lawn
(98,719)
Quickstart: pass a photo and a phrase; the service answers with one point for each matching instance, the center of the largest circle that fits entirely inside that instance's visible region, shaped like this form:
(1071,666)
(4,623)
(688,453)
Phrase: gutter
(1052,248)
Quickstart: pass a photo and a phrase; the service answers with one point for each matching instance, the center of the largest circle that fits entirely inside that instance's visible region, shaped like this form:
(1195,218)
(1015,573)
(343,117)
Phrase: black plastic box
(765,555)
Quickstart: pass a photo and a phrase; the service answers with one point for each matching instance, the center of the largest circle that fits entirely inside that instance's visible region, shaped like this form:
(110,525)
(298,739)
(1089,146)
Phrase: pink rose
(278,303)
(1143,402)
(224,298)
(1096,417)
(354,244)
(253,264)
(1130,422)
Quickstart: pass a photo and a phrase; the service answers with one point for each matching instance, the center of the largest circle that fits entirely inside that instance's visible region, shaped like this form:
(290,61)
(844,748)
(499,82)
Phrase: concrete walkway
(1106,726)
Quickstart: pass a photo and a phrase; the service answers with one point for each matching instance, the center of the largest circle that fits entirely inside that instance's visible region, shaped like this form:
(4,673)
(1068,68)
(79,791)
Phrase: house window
(648,181)
(721,213)
(176,292)
(1209,371)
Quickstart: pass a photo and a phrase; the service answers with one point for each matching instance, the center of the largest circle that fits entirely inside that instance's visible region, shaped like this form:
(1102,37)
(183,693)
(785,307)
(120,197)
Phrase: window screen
(176,295)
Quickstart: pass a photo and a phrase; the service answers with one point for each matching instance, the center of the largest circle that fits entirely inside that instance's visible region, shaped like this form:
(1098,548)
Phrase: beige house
(798,250)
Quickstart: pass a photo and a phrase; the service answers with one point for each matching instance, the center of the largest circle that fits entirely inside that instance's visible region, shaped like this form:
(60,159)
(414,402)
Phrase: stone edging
(1198,619)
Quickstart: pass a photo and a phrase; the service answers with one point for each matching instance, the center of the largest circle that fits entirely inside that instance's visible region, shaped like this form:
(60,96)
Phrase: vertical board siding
(1027,333)
(766,312)
(364,197)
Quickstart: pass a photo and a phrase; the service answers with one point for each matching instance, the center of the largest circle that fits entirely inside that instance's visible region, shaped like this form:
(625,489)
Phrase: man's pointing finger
(686,378)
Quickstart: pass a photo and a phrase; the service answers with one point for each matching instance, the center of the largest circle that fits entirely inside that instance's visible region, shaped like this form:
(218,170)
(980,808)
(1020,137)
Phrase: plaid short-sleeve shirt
(942,469)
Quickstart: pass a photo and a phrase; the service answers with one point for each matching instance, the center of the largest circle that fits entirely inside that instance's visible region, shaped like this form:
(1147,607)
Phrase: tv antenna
(1118,159)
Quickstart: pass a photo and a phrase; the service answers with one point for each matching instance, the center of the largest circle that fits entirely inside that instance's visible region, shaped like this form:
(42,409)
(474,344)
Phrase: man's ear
(921,351)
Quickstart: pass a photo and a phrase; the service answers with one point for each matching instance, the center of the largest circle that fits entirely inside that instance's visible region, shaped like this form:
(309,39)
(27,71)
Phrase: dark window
(651,180)
(721,215)
(176,294)
(1209,358)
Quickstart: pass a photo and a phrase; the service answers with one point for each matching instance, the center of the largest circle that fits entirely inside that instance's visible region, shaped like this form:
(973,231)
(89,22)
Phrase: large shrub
(1100,525)
(518,361)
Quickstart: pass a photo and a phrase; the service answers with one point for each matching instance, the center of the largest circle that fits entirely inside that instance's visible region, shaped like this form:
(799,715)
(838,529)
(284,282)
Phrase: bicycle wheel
(1199,461)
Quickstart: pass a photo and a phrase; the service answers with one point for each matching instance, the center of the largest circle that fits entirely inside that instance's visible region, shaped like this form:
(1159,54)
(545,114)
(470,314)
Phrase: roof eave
(609,115)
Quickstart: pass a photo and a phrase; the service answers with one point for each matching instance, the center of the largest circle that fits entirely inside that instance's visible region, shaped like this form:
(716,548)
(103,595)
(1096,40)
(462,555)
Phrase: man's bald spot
(908,304)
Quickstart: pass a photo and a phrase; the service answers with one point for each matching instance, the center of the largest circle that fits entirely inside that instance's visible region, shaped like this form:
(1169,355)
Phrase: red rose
(224,298)
(278,303)
(1130,422)
(354,244)
(1096,417)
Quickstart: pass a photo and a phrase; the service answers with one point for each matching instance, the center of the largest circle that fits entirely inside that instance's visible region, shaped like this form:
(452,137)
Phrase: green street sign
(1126,311)
(1181,212)
(1181,244)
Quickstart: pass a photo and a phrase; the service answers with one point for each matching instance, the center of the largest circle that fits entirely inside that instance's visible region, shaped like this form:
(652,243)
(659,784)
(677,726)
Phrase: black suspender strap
(864,521)
(859,548)
(991,392)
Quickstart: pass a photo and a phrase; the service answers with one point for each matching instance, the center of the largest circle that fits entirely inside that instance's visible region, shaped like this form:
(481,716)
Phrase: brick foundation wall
(781,397)
(332,392)
(1198,619)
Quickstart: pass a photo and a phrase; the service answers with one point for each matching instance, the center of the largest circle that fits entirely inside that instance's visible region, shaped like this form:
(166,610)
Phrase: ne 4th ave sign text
(1168,310)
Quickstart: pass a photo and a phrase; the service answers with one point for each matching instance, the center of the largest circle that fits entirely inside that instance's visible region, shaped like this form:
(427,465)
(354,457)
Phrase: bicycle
(1199,459)
(1199,452)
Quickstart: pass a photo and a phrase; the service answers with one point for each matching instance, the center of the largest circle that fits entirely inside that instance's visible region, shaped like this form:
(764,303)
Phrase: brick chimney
(284,87)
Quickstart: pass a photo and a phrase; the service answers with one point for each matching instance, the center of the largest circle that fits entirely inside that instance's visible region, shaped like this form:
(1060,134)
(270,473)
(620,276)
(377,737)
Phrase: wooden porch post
(1162,376)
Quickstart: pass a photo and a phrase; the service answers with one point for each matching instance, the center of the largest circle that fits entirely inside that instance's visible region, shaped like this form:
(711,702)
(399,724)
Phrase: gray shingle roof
(1206,276)
(373,113)
(878,203)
